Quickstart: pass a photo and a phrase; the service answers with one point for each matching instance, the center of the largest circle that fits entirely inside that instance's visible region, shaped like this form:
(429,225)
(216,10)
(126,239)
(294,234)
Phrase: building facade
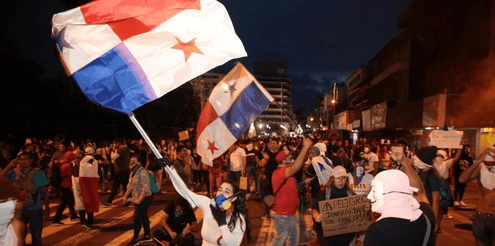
(278,117)
(439,71)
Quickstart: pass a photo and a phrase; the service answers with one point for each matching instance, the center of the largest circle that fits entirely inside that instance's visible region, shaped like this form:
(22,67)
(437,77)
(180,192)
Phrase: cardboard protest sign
(345,215)
(183,135)
(446,139)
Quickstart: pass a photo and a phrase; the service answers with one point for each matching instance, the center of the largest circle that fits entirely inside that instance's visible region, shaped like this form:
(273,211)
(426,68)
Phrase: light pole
(334,102)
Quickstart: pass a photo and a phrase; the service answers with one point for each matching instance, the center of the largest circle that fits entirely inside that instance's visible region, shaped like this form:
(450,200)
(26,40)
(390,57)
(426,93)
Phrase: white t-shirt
(236,159)
(371,157)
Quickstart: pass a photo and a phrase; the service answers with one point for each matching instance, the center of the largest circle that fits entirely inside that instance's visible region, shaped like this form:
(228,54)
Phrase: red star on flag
(211,146)
(187,48)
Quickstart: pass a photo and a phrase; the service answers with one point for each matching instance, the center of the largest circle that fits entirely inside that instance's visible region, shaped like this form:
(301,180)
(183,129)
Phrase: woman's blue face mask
(222,202)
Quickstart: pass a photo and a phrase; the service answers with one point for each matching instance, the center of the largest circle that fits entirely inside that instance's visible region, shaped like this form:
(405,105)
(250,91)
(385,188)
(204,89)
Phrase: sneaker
(57,223)
(145,238)
(75,218)
(447,217)
(105,204)
(456,204)
(88,226)
(462,204)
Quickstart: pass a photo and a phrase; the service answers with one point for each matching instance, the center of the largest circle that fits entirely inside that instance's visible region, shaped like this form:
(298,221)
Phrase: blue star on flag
(231,89)
(321,166)
(59,37)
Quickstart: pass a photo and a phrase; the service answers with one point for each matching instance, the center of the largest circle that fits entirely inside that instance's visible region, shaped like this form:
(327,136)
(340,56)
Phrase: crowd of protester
(289,168)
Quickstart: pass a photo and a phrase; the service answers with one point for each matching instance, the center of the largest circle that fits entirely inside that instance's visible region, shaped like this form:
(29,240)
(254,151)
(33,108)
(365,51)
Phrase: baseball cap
(89,151)
(339,171)
(322,147)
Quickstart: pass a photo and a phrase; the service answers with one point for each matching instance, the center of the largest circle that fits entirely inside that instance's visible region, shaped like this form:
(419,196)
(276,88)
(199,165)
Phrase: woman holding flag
(225,219)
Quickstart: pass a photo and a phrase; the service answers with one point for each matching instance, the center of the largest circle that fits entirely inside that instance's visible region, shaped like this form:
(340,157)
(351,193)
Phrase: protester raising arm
(299,161)
(414,179)
(473,171)
(218,227)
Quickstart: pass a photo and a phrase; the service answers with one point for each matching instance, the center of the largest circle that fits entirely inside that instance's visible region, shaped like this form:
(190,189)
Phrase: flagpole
(283,110)
(158,155)
(273,100)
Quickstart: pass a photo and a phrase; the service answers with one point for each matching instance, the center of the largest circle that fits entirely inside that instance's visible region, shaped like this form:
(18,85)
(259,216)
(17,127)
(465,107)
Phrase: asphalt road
(113,226)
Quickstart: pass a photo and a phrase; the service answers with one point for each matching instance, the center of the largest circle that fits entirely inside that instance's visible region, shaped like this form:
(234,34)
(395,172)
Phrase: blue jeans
(484,228)
(286,229)
(141,217)
(254,172)
(34,218)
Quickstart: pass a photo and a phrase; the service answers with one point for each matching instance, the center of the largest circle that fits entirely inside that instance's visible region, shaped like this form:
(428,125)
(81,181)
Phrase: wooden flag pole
(159,156)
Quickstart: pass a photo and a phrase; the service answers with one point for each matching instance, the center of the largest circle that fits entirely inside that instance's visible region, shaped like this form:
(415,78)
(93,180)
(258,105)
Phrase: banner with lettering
(345,215)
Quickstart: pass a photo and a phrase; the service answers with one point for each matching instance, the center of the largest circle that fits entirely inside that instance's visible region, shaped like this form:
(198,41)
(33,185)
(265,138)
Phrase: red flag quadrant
(126,53)
(236,101)
(90,194)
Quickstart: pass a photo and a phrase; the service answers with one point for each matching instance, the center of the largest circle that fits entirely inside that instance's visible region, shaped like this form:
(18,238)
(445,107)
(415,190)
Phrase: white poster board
(446,139)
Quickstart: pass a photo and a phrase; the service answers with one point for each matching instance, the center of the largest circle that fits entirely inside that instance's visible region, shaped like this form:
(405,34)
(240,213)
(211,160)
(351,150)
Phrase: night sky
(321,42)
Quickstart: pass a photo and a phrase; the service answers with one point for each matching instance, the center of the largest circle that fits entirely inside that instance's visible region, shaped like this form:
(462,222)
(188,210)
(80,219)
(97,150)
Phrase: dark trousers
(162,235)
(67,200)
(141,217)
(235,176)
(484,228)
(89,221)
(458,189)
(121,178)
(206,179)
(34,219)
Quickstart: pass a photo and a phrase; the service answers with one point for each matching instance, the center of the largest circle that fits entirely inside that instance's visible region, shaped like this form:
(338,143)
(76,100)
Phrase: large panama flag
(126,53)
(235,102)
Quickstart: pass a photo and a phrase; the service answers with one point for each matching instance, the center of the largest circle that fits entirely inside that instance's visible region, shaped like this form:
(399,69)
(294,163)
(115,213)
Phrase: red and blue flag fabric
(126,53)
(235,102)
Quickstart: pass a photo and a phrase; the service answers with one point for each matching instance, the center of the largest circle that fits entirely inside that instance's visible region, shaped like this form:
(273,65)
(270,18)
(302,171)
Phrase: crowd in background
(47,155)
(47,152)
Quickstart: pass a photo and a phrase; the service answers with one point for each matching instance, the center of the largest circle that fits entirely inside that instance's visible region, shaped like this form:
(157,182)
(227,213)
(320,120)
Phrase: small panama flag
(234,104)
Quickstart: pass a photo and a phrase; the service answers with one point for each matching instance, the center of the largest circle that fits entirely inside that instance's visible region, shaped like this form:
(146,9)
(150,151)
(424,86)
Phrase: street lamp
(333,104)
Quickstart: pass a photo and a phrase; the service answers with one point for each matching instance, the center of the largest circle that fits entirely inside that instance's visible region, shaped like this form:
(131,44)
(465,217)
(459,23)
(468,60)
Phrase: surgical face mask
(438,161)
(376,195)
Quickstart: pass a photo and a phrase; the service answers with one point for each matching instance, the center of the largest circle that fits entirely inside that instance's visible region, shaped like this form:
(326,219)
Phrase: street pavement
(114,225)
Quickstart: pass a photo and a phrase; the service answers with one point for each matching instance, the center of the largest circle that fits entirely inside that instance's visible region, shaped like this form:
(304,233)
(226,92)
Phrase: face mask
(223,202)
(438,162)
(178,212)
(376,195)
